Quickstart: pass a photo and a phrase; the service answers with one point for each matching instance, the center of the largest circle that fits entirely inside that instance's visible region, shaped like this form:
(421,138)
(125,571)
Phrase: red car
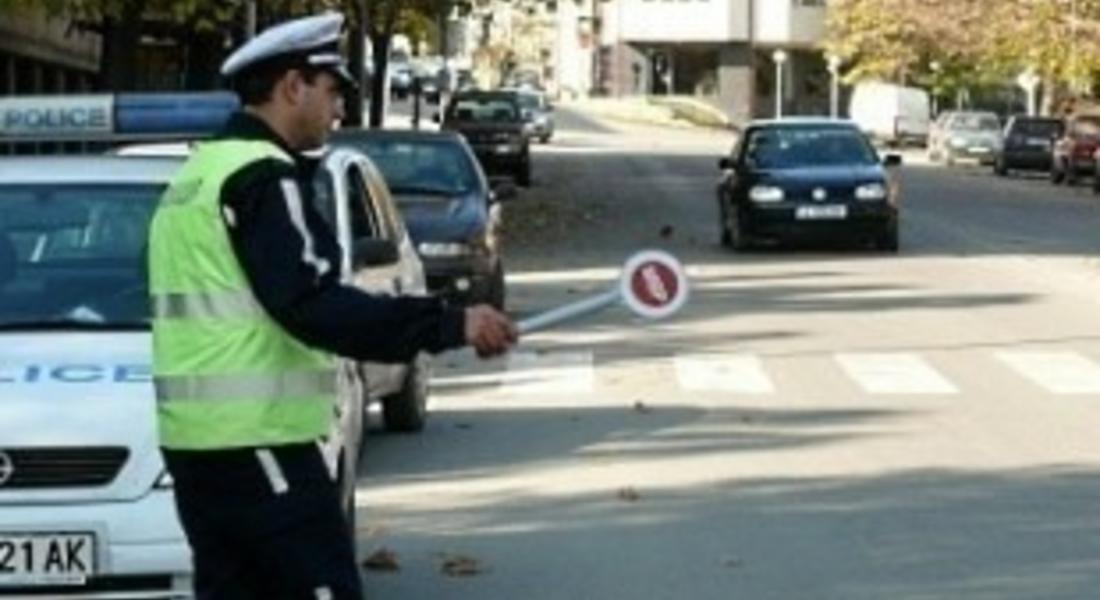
(1073,152)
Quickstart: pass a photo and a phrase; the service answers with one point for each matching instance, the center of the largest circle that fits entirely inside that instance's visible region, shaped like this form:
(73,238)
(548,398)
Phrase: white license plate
(832,211)
(29,559)
(1038,143)
(980,150)
(502,149)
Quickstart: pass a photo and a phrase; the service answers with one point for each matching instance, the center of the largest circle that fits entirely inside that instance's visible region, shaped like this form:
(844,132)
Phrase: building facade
(44,56)
(720,51)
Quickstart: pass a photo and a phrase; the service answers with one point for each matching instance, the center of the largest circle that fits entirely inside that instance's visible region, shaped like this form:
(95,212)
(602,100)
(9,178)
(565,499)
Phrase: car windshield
(1037,128)
(530,101)
(801,147)
(965,122)
(74,256)
(484,109)
(432,167)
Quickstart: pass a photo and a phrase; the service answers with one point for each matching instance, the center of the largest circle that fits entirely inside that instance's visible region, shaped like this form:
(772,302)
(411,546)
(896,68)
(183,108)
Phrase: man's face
(320,105)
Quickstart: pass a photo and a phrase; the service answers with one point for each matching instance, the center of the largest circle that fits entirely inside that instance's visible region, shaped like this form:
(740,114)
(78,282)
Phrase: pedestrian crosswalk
(527,373)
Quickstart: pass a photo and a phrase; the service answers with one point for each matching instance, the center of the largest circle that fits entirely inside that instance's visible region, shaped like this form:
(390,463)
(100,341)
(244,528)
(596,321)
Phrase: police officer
(248,311)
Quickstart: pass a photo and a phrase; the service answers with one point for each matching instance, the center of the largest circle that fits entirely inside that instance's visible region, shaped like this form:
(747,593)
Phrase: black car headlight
(871,192)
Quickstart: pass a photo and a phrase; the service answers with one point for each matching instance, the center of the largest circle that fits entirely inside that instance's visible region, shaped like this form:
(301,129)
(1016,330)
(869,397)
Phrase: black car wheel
(888,241)
(1000,168)
(494,287)
(739,240)
(545,139)
(1096,183)
(406,411)
(523,174)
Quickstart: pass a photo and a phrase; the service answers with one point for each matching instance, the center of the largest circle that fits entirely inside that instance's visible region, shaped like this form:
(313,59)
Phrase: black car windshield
(1037,128)
(428,167)
(74,256)
(485,109)
(791,147)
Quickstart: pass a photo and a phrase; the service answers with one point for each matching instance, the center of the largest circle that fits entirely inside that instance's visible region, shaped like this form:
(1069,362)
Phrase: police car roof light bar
(109,117)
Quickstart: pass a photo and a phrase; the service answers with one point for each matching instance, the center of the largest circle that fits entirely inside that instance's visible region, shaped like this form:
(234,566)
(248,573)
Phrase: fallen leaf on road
(641,407)
(382,560)
(629,494)
(666,231)
(732,562)
(463,426)
(456,565)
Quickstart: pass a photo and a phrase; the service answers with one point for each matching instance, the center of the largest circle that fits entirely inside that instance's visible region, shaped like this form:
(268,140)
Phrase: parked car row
(1068,149)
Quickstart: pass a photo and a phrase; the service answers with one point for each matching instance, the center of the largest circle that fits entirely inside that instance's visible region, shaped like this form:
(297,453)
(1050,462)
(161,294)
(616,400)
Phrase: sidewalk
(665,111)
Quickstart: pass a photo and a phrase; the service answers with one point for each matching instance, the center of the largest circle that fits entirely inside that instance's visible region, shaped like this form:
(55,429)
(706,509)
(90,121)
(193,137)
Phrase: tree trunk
(357,31)
(118,57)
(380,46)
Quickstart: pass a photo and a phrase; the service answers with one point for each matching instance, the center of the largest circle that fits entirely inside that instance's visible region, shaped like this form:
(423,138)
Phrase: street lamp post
(834,86)
(780,58)
(1029,81)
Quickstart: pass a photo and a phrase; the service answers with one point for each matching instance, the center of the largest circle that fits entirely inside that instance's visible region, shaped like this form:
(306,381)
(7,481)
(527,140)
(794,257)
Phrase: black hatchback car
(813,179)
(1028,144)
(451,213)
(493,124)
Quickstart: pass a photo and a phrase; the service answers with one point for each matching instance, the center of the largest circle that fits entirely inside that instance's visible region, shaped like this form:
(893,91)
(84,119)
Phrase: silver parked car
(962,135)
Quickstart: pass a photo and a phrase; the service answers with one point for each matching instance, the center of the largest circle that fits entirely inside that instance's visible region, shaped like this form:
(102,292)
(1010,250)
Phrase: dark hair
(255,85)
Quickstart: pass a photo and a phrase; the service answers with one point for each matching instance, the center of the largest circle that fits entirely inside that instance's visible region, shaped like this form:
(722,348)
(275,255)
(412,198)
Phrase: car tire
(348,493)
(495,293)
(888,240)
(739,240)
(1096,184)
(999,168)
(1069,175)
(406,411)
(523,174)
(544,139)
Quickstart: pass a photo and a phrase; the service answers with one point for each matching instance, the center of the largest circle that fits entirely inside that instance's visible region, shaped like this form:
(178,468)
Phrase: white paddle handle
(569,311)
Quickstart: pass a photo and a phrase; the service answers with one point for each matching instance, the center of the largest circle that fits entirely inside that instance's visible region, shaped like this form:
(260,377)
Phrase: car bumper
(979,153)
(1033,160)
(141,551)
(781,223)
(458,279)
(500,156)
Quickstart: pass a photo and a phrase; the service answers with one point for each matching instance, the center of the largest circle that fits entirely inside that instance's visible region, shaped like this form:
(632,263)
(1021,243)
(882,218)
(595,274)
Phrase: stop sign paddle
(652,285)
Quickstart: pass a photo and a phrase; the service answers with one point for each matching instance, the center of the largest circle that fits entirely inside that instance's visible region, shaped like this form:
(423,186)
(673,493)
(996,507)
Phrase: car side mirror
(892,160)
(726,164)
(504,190)
(374,252)
(436,118)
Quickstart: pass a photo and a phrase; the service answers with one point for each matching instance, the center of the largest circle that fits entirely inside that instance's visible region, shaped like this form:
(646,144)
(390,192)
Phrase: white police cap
(314,40)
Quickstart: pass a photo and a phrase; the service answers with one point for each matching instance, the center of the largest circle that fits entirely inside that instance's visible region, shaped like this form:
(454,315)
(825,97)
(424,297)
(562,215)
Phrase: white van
(891,114)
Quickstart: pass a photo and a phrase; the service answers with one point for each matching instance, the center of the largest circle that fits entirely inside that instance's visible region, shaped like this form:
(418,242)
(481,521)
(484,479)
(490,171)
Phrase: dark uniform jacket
(292,260)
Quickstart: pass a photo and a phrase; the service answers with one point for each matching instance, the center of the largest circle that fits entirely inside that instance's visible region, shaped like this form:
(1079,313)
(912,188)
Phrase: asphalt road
(817,424)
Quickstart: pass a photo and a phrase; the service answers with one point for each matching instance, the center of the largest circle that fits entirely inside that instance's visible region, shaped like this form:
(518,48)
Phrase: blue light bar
(173,114)
(114,117)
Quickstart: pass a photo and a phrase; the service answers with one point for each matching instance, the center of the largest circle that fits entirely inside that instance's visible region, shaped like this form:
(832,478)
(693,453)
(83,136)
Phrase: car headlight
(871,191)
(439,250)
(958,142)
(164,481)
(766,193)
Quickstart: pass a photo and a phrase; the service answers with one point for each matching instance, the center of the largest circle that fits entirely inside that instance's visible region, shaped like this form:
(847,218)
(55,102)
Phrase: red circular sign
(655,284)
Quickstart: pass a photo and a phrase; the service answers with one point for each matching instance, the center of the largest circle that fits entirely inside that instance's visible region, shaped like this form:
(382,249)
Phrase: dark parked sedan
(807,178)
(492,122)
(450,211)
(1028,142)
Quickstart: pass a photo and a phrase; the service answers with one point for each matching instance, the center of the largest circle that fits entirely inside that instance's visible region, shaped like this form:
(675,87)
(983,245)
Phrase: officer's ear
(292,86)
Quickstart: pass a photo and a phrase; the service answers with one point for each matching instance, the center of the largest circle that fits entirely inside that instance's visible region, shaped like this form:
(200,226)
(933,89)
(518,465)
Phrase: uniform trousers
(264,524)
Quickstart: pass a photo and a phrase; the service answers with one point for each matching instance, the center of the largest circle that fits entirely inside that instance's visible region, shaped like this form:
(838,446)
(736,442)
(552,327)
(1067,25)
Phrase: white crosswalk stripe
(531,373)
(1056,372)
(894,373)
(735,373)
(572,373)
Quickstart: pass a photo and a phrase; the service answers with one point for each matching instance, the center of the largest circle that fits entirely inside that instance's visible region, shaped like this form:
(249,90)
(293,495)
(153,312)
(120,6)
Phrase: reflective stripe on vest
(213,305)
(224,388)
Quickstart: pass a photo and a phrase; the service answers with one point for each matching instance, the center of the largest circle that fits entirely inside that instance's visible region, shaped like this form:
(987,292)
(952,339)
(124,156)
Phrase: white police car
(86,508)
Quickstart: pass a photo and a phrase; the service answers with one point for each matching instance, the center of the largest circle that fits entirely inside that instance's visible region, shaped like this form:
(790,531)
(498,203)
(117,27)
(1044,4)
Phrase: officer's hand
(489,331)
